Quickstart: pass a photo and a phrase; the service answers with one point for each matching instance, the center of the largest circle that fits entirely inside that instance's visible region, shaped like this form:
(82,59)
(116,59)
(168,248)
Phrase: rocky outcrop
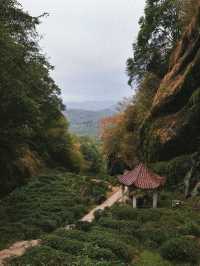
(173,126)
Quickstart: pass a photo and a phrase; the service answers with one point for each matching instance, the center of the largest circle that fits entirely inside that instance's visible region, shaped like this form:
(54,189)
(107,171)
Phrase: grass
(149,258)
(46,203)
(124,236)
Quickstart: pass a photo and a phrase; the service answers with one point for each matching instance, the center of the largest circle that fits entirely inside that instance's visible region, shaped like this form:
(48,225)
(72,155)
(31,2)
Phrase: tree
(188,10)
(30,101)
(92,155)
(121,133)
(160,28)
(112,133)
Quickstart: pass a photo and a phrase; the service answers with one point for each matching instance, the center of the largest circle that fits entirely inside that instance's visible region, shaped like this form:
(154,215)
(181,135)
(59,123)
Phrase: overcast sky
(88,42)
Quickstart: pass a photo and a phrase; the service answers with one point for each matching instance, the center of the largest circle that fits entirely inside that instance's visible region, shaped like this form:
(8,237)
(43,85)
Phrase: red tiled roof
(142,177)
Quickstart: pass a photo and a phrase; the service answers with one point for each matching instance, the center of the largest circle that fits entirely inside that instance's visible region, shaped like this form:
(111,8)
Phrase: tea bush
(181,249)
(122,236)
(71,234)
(148,258)
(45,204)
(112,241)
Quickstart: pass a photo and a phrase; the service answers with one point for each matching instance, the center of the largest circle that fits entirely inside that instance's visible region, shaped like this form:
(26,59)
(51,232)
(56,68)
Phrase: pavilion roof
(143,178)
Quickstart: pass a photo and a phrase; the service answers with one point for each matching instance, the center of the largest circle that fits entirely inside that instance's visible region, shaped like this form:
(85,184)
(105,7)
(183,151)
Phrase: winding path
(19,248)
(108,203)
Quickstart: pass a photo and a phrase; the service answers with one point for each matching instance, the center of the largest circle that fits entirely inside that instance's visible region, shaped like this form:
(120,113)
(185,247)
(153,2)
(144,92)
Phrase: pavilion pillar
(155,199)
(123,193)
(134,202)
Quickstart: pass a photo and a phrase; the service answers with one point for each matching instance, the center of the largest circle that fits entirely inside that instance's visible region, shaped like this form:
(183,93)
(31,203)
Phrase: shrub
(122,226)
(99,254)
(124,212)
(47,225)
(180,249)
(86,261)
(148,258)
(71,234)
(190,228)
(98,214)
(152,237)
(85,226)
(70,246)
(112,242)
(78,211)
(148,215)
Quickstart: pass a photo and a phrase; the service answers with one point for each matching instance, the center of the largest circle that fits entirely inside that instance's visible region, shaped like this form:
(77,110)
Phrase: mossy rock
(174,170)
(170,135)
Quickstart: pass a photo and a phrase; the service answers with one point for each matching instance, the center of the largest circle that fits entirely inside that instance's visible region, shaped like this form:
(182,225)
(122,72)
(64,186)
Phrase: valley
(96,183)
(86,122)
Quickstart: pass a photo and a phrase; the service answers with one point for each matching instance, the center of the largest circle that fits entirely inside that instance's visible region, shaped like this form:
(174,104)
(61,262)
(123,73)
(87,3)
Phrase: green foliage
(174,170)
(160,28)
(191,228)
(31,107)
(71,234)
(25,110)
(121,146)
(45,204)
(113,242)
(148,258)
(181,249)
(123,226)
(60,147)
(124,212)
(185,139)
(125,236)
(92,155)
(70,246)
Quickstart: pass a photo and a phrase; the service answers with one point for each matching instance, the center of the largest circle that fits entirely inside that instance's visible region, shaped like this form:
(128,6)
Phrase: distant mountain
(86,122)
(91,105)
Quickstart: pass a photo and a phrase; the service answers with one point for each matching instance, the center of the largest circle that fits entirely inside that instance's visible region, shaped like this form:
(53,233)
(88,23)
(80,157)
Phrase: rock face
(173,126)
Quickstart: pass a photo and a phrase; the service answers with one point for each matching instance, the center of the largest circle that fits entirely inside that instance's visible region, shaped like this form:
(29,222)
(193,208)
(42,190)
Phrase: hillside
(121,236)
(85,122)
(46,203)
(91,105)
(171,133)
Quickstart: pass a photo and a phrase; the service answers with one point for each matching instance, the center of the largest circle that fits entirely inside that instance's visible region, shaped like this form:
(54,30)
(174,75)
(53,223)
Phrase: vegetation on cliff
(160,125)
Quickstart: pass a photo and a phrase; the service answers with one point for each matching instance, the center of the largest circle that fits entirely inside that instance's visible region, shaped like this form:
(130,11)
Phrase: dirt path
(108,203)
(19,248)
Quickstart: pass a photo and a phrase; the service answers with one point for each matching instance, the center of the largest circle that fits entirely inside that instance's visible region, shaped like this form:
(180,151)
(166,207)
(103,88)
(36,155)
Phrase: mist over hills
(85,117)
(92,105)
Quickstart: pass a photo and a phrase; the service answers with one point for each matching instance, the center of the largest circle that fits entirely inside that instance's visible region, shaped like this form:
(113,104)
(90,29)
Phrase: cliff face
(173,126)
